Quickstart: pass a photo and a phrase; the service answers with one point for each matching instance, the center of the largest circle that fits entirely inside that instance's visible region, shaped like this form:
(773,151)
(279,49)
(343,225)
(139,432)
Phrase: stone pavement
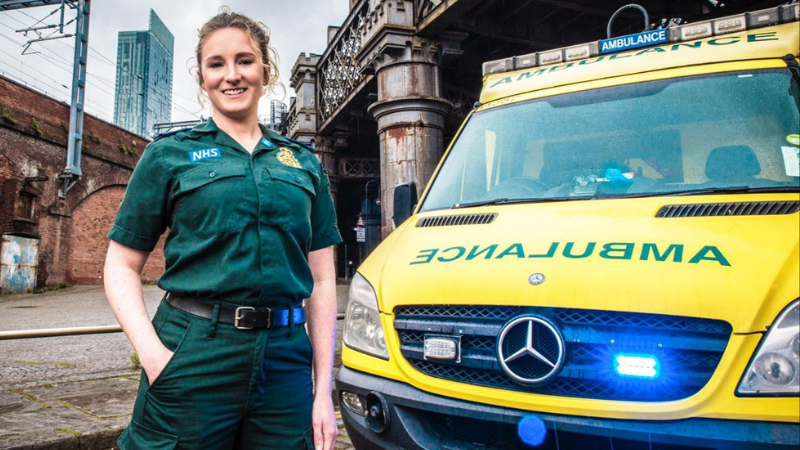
(72,401)
(77,415)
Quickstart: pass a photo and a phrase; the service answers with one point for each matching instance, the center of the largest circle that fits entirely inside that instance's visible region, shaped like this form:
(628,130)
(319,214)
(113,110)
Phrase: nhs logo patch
(197,155)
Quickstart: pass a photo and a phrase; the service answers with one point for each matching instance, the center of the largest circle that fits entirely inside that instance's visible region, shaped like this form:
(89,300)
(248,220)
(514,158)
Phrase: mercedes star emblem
(530,350)
(536,279)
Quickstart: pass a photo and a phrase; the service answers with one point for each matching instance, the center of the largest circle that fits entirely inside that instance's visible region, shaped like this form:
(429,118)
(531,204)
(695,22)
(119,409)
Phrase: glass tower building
(277,115)
(144,78)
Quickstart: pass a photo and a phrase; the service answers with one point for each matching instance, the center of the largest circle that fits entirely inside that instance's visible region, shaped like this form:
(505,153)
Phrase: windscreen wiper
(706,191)
(507,201)
(495,201)
(685,192)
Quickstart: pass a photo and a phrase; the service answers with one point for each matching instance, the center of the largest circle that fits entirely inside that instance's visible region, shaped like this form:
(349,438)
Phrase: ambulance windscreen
(676,136)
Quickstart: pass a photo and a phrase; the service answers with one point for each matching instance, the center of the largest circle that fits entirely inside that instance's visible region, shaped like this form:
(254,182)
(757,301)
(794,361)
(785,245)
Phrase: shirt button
(212,174)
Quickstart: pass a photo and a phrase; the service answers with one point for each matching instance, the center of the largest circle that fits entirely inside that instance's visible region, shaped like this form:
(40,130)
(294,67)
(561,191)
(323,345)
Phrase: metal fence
(75,331)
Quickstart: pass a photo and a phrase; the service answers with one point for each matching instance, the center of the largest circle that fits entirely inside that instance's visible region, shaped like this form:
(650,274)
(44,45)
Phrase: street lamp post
(367,207)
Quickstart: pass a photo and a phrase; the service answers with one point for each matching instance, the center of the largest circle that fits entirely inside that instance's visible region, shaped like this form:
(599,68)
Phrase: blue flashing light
(532,431)
(642,366)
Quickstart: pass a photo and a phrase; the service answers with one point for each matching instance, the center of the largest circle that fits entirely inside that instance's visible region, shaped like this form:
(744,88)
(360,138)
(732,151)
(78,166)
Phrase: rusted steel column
(325,151)
(410,113)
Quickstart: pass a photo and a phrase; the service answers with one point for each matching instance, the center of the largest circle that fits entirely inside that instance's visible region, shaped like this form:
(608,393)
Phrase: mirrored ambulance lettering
(574,250)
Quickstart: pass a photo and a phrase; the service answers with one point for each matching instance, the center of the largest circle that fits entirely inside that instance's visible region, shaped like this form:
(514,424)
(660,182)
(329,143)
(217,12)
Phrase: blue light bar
(636,366)
(691,31)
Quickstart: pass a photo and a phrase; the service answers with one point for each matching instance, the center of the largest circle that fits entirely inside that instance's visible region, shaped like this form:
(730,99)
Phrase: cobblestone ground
(343,441)
(81,387)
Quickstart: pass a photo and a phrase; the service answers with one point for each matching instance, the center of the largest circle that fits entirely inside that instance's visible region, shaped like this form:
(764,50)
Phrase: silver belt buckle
(237,316)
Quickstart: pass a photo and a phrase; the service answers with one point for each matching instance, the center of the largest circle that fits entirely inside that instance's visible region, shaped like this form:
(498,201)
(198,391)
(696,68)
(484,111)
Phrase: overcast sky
(297,26)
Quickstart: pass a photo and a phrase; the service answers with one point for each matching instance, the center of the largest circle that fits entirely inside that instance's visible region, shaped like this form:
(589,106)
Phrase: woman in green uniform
(227,360)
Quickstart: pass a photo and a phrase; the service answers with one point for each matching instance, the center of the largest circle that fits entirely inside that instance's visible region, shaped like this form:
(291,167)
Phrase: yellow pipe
(54,332)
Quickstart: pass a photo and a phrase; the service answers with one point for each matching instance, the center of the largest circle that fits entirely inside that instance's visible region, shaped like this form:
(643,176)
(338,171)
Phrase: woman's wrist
(323,393)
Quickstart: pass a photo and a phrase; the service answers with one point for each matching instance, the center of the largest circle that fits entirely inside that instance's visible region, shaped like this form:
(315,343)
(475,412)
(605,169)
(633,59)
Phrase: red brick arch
(91,220)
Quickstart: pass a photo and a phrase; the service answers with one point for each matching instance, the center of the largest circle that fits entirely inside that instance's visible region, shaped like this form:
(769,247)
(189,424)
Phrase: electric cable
(176,105)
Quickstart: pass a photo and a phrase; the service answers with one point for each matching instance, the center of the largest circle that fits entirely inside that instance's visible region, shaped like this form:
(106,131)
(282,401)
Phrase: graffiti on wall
(19,257)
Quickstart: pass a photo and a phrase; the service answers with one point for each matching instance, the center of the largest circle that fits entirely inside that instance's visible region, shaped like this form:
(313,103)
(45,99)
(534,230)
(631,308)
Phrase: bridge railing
(339,71)
(425,8)
(75,331)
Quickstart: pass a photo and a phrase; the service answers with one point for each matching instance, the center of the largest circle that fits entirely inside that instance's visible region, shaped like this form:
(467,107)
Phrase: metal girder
(588,7)
(520,34)
(72,170)
(169,126)
(434,17)
(7,5)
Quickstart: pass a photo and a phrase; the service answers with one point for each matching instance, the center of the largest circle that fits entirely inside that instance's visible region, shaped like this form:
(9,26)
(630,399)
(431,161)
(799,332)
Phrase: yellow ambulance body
(608,256)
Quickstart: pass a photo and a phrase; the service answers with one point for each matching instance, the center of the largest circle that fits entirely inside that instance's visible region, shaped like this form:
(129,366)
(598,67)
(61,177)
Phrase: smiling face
(232,73)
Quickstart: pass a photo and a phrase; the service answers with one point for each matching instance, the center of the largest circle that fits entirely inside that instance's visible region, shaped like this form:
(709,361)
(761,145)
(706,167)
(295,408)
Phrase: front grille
(461,219)
(643,321)
(460,433)
(688,349)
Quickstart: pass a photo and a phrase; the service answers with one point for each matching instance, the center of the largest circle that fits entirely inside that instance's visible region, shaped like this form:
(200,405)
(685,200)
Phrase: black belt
(243,317)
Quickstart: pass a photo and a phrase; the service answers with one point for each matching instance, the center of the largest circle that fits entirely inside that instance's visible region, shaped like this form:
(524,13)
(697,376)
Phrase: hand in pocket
(155,363)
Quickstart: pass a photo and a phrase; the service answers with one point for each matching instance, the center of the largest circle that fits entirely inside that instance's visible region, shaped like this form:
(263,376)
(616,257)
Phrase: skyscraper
(144,78)
(278,111)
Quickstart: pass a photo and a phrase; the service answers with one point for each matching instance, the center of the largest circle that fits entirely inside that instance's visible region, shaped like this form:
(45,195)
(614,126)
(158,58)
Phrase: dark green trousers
(224,388)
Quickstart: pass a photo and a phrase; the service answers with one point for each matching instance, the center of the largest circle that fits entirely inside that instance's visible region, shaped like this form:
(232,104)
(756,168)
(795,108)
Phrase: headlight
(773,369)
(363,330)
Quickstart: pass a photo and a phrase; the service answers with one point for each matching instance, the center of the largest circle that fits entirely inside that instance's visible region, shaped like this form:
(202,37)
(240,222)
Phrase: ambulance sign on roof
(633,41)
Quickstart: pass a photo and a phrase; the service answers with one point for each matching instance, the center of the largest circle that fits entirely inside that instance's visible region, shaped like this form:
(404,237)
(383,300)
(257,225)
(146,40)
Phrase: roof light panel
(730,24)
(688,32)
(696,31)
(525,61)
(500,65)
(582,51)
(551,57)
(790,13)
(763,18)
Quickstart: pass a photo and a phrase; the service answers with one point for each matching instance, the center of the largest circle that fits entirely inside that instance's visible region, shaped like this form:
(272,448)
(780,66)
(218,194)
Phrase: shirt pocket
(211,199)
(293,197)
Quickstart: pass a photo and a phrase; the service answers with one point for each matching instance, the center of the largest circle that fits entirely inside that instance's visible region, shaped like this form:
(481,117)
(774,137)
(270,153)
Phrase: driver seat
(732,164)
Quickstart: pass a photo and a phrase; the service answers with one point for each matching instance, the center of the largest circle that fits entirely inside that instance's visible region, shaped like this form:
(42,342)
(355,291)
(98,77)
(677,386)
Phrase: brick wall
(33,143)
(90,224)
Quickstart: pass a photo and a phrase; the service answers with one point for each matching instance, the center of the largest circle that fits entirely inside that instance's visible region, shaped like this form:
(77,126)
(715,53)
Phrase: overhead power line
(176,104)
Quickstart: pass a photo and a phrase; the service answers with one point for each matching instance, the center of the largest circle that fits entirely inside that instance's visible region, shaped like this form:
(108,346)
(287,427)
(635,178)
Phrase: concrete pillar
(302,121)
(410,112)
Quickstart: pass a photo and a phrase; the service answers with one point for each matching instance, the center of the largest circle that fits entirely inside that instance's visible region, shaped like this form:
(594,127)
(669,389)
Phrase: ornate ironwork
(425,7)
(462,101)
(359,167)
(340,71)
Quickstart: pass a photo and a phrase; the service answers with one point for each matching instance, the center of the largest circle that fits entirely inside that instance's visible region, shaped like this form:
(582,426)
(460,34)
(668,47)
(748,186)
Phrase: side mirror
(405,199)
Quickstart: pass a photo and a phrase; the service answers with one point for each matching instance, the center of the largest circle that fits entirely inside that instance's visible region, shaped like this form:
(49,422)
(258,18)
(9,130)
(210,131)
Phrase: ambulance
(607,257)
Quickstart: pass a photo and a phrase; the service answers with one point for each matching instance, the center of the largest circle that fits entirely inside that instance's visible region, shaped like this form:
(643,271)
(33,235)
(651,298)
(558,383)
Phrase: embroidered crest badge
(287,157)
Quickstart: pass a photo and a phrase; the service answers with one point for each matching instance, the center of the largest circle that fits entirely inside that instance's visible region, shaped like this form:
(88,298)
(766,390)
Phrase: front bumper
(422,421)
